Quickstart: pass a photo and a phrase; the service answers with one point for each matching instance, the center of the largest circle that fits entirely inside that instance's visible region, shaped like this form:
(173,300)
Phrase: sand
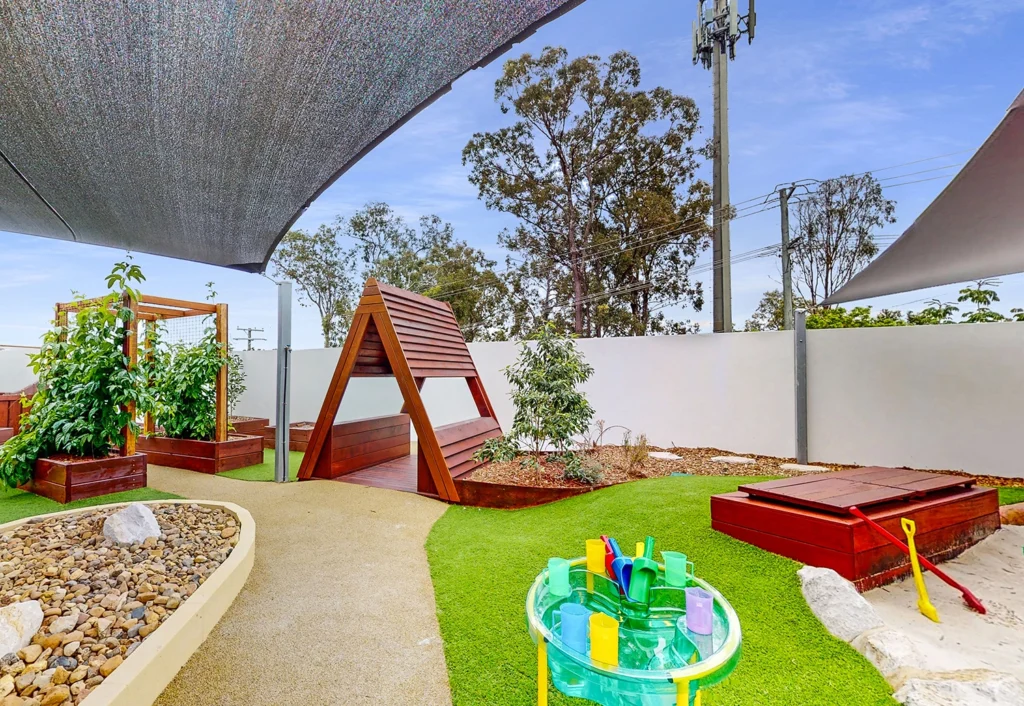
(994,571)
(339,608)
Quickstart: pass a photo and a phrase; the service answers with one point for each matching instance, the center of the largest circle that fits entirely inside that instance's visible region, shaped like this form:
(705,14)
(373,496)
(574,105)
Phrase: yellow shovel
(923,604)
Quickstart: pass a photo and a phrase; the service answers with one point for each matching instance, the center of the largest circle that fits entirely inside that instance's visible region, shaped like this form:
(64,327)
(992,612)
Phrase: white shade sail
(972,230)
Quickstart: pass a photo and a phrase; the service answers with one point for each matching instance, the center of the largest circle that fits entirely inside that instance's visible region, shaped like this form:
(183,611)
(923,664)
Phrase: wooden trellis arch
(411,337)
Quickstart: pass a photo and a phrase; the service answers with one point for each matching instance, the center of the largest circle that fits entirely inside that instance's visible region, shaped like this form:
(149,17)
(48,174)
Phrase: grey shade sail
(202,129)
(972,230)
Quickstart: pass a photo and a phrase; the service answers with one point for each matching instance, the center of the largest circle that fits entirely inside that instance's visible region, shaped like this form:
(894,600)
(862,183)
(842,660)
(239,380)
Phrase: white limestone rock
(132,525)
(801,468)
(844,612)
(665,455)
(742,460)
(980,687)
(18,623)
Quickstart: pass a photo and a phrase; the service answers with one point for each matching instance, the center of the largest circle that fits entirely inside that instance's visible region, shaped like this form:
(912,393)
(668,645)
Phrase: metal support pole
(800,384)
(722,279)
(284,353)
(787,265)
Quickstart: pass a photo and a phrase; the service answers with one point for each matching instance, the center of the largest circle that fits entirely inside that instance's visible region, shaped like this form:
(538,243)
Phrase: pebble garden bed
(99,600)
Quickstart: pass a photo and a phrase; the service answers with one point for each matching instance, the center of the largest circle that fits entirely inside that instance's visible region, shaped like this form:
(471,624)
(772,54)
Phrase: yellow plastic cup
(595,556)
(604,639)
(639,548)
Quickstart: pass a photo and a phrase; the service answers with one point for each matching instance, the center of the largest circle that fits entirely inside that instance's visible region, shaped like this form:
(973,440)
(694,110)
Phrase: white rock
(891,650)
(18,623)
(801,468)
(665,455)
(836,603)
(64,623)
(733,459)
(132,525)
(966,688)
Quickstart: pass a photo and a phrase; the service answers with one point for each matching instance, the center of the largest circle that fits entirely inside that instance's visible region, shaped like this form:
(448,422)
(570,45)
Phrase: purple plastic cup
(700,611)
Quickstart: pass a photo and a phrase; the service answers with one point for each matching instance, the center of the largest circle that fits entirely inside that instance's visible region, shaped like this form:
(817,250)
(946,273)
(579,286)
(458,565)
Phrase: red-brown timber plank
(411,343)
(188,463)
(442,365)
(332,400)
(420,335)
(460,457)
(928,514)
(106,486)
(452,332)
(391,293)
(443,356)
(404,310)
(371,435)
(480,399)
(341,453)
(464,468)
(357,463)
(473,442)
(787,521)
(805,553)
(440,373)
(407,383)
(369,423)
(450,433)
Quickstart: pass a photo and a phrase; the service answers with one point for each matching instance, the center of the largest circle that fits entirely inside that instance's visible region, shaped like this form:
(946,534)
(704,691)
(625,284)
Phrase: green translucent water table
(630,631)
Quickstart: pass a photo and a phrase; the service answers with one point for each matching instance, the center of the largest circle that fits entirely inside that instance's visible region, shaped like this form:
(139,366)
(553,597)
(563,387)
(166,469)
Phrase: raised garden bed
(65,479)
(99,619)
(238,451)
(248,425)
(298,436)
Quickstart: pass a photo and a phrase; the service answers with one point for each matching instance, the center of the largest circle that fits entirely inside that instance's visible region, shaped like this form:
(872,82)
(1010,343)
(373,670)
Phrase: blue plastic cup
(575,619)
(558,577)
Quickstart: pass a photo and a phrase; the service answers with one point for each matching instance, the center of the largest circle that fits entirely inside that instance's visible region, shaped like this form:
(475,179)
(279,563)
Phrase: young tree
(611,214)
(982,295)
(322,270)
(935,313)
(834,233)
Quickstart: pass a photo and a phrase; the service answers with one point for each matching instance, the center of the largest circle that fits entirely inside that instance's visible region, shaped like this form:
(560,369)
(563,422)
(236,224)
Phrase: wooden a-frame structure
(411,337)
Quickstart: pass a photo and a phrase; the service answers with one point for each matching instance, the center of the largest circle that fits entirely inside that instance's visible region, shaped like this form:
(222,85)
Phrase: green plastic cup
(558,577)
(678,571)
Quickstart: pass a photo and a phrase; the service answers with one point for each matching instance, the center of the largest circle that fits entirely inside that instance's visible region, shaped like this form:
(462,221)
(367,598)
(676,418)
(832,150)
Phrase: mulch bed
(695,461)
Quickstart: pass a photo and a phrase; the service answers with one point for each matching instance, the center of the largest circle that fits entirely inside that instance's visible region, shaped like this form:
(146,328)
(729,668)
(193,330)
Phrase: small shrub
(636,452)
(550,410)
(497,449)
(580,468)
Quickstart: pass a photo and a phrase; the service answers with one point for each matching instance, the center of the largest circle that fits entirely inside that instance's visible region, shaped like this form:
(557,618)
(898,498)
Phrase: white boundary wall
(920,396)
(15,374)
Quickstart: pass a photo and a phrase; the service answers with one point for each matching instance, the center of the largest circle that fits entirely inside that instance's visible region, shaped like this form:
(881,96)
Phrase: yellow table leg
(542,671)
(683,694)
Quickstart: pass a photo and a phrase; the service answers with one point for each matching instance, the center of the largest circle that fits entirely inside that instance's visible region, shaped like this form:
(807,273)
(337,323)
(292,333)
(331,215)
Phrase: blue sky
(825,89)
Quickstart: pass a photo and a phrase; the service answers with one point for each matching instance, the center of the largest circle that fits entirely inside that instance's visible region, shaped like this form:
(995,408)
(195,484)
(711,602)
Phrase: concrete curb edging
(155,662)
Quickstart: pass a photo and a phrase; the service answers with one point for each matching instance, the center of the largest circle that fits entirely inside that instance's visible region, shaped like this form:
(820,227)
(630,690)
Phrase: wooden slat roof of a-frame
(427,332)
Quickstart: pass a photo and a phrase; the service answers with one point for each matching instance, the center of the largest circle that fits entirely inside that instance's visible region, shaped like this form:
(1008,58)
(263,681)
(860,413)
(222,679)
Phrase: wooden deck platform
(807,519)
(397,474)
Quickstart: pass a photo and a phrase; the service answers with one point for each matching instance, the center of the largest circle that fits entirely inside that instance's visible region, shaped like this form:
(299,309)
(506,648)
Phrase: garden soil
(339,608)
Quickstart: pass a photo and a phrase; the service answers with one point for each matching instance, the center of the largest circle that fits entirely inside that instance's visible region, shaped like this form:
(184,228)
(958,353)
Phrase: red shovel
(969,597)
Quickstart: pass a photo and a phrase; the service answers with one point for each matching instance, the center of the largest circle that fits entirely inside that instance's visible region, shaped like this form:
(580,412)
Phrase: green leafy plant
(236,380)
(499,448)
(87,386)
(184,379)
(550,410)
(581,469)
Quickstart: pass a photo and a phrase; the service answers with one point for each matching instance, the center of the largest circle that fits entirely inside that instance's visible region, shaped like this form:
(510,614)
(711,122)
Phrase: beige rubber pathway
(338,609)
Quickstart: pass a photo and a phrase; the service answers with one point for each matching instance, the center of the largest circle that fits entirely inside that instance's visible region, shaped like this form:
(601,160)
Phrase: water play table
(660,662)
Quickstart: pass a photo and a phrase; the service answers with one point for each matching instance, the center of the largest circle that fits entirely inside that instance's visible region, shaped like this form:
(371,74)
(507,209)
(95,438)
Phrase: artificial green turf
(1009,496)
(265,470)
(483,562)
(16,504)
